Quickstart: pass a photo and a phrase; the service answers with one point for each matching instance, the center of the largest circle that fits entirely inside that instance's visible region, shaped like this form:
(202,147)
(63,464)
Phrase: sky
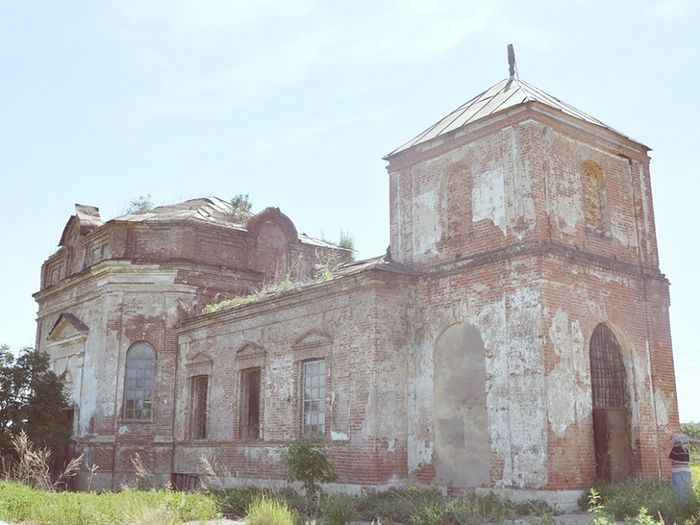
(295,102)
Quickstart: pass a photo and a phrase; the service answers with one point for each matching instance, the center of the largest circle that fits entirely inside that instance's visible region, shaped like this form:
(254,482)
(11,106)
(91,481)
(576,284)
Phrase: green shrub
(308,462)
(338,509)
(267,511)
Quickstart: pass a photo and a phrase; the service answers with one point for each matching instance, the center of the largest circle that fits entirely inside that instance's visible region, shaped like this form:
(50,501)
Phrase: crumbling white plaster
(339,436)
(514,385)
(663,405)
(568,386)
(426,222)
(488,198)
(520,207)
(527,414)
(565,203)
(621,230)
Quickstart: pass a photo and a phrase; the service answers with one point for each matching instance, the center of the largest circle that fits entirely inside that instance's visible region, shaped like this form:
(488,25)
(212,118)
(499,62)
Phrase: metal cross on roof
(511,61)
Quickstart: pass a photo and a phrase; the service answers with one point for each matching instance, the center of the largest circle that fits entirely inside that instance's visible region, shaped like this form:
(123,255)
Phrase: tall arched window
(139,382)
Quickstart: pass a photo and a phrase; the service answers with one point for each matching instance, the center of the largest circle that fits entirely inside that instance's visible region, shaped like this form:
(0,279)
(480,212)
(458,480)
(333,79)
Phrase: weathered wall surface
(474,198)
(468,367)
(355,325)
(577,297)
(127,281)
(119,310)
(503,307)
(533,232)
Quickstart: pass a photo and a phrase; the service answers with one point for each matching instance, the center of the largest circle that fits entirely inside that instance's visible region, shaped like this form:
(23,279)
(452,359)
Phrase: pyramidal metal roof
(505,94)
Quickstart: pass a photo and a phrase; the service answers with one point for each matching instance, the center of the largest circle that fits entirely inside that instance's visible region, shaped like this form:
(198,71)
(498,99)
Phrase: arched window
(139,382)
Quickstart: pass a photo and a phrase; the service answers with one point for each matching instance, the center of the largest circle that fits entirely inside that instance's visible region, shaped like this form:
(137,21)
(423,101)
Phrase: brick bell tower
(532,225)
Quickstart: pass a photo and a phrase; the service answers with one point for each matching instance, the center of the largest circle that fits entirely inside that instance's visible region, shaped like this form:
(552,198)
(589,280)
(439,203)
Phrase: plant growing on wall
(308,463)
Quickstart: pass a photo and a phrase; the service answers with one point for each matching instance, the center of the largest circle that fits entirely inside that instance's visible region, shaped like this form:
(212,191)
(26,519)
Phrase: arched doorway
(462,442)
(613,452)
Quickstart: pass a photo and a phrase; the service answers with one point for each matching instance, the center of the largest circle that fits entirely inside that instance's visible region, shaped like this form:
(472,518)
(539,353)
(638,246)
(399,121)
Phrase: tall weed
(23,503)
(266,511)
(626,501)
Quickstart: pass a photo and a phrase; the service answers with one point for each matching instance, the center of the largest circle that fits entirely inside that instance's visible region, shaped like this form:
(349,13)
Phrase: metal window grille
(314,399)
(608,375)
(139,382)
(199,406)
(250,416)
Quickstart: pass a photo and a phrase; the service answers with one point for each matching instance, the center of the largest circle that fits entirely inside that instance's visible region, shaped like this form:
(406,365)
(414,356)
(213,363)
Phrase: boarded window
(139,382)
(314,399)
(250,404)
(200,385)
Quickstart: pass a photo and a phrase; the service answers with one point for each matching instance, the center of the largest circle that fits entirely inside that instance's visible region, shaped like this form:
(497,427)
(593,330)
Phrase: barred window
(314,399)
(608,375)
(200,386)
(139,382)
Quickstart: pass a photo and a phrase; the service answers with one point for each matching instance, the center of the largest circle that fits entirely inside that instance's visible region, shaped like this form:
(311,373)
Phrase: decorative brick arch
(274,215)
(273,232)
(312,338)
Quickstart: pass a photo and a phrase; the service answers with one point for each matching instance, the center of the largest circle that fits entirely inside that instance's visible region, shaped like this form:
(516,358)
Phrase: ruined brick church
(515,337)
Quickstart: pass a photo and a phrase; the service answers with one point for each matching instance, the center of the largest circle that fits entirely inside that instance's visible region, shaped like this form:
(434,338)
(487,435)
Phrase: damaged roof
(213,210)
(506,94)
(382,263)
(207,209)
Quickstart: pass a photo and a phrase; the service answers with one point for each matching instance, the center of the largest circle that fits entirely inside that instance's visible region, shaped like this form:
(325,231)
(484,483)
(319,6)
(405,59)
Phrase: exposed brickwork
(512,239)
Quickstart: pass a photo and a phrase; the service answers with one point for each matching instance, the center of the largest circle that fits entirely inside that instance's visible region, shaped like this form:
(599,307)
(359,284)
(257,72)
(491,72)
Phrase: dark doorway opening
(251,404)
(613,452)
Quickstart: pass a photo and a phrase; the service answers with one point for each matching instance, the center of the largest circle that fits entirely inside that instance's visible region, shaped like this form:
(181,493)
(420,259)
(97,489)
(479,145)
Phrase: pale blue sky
(296,101)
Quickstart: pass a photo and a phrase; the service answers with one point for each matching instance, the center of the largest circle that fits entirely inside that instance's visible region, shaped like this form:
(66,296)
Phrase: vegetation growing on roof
(347,242)
(140,204)
(292,280)
(242,207)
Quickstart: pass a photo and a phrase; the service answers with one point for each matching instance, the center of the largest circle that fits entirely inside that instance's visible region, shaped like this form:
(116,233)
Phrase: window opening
(251,404)
(139,382)
(184,482)
(314,399)
(199,406)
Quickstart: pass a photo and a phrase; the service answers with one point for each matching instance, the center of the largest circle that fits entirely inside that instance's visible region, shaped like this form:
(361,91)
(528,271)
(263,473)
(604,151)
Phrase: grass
(644,501)
(413,506)
(286,284)
(635,502)
(19,502)
(267,511)
(290,281)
